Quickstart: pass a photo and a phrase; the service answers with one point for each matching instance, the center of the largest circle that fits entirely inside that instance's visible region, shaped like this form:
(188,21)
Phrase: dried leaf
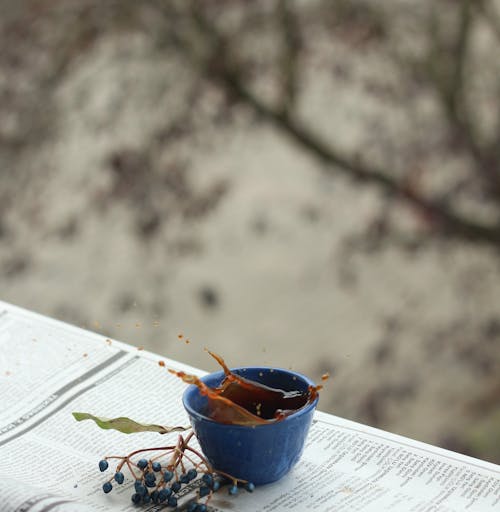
(126,425)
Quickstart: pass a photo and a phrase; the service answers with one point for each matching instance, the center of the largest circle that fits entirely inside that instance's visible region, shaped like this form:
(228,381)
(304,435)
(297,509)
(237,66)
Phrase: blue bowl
(260,454)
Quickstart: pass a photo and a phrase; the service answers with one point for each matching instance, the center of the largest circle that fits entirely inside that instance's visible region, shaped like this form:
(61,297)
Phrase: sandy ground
(265,271)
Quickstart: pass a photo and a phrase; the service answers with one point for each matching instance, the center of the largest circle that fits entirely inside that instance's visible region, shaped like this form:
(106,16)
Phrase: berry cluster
(161,478)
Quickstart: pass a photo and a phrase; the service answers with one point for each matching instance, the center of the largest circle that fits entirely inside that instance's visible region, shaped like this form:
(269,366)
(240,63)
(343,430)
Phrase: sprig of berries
(164,478)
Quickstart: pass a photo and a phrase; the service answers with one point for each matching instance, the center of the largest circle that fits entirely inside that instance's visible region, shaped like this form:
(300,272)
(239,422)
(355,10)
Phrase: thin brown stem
(132,472)
(165,448)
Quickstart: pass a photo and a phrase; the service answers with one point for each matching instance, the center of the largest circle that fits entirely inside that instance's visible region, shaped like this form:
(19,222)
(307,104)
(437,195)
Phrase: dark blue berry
(136,498)
(176,486)
(250,487)
(149,483)
(139,488)
(172,501)
(146,498)
(201,508)
(142,463)
(183,479)
(167,476)
(192,507)
(208,479)
(233,490)
(156,466)
(216,485)
(107,487)
(119,477)
(154,497)
(164,494)
(103,465)
(204,491)
(150,478)
(192,474)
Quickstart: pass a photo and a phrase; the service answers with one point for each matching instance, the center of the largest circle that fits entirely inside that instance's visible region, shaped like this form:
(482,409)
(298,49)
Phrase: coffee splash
(240,401)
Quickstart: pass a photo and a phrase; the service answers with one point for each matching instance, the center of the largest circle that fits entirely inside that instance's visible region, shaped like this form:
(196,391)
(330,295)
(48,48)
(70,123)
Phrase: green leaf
(126,425)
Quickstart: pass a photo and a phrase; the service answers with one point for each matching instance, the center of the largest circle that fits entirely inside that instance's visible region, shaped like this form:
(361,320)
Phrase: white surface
(52,369)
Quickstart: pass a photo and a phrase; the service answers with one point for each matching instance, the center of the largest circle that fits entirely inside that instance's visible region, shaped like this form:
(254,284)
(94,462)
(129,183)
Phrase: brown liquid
(240,401)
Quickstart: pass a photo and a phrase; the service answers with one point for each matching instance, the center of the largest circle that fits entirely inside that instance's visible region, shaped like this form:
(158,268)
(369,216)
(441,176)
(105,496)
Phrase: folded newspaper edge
(48,462)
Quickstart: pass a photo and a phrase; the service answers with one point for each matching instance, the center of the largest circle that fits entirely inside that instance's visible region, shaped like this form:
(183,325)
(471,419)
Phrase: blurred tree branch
(193,29)
(447,69)
(291,48)
(218,65)
(490,14)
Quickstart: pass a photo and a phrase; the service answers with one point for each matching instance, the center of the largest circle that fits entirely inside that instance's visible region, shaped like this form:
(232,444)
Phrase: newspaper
(48,462)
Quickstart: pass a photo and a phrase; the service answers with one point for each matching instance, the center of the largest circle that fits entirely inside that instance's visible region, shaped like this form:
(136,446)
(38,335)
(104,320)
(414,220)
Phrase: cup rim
(201,417)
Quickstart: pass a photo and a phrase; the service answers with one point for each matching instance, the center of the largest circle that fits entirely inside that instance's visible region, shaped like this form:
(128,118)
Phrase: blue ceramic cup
(260,454)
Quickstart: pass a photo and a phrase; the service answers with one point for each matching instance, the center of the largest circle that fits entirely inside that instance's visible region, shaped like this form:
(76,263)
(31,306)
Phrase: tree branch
(335,162)
(290,53)
(454,224)
(448,73)
(490,15)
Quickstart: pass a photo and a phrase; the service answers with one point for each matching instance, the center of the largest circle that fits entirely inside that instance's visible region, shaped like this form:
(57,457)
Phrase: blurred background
(307,184)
